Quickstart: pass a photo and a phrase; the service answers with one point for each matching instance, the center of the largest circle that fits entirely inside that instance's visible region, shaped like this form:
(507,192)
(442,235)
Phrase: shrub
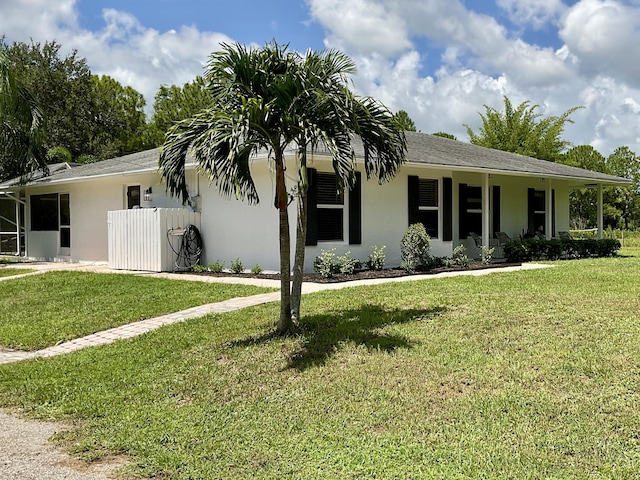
(58,155)
(415,247)
(346,264)
(237,266)
(257,269)
(216,267)
(325,264)
(376,258)
(460,257)
(198,268)
(487,254)
(533,249)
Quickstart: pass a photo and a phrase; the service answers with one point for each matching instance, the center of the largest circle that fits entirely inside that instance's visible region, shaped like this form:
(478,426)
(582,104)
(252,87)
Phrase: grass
(531,374)
(42,310)
(10,272)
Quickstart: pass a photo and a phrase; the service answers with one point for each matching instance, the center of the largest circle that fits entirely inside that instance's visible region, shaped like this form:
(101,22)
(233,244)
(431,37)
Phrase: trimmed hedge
(534,249)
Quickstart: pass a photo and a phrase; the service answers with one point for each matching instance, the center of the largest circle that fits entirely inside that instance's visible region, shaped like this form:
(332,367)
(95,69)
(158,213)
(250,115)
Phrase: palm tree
(270,99)
(22,126)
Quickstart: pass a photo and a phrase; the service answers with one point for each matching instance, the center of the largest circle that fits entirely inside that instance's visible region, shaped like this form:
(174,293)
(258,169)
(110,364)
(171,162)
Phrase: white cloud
(604,35)
(536,13)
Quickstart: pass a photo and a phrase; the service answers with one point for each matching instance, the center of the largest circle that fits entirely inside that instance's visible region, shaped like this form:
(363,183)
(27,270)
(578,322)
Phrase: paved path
(134,329)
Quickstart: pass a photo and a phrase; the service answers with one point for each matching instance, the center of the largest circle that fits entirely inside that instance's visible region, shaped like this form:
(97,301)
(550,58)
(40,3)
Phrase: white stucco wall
(233,229)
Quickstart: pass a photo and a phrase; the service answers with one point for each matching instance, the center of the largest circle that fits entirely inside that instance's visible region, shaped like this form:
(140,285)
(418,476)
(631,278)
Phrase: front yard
(532,374)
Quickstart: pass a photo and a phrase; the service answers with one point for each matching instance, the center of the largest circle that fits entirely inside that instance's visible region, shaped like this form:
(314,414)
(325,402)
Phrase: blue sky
(440,60)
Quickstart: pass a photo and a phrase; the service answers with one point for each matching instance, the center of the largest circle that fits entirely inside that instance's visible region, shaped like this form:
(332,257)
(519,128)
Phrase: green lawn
(41,310)
(530,374)
(11,271)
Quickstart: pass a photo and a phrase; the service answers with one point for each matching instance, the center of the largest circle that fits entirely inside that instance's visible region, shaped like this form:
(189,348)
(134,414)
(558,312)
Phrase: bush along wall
(534,249)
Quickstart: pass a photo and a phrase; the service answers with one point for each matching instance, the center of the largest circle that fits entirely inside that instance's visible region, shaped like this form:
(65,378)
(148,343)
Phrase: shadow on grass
(324,335)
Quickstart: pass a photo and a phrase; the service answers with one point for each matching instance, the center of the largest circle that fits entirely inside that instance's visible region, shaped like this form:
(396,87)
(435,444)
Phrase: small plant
(460,257)
(415,247)
(347,264)
(237,266)
(487,254)
(198,268)
(325,263)
(216,267)
(376,258)
(257,269)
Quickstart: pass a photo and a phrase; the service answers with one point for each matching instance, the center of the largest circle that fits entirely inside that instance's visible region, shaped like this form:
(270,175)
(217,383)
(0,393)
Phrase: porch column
(548,220)
(485,210)
(600,216)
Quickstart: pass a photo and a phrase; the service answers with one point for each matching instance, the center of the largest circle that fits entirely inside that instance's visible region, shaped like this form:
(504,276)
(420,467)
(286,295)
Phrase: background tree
(22,126)
(583,201)
(92,117)
(522,130)
(625,163)
(268,99)
(445,135)
(404,121)
(174,103)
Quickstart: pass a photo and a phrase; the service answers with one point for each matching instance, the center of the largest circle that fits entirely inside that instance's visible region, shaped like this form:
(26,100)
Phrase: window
(330,208)
(470,210)
(44,212)
(326,209)
(537,211)
(133,196)
(428,205)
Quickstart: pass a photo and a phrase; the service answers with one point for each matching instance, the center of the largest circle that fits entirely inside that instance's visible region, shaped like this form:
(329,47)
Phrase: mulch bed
(363,274)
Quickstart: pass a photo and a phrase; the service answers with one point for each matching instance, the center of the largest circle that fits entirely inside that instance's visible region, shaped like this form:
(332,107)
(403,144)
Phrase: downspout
(485,210)
(600,214)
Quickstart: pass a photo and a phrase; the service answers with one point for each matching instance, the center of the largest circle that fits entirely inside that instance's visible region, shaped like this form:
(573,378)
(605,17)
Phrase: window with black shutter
(424,204)
(330,208)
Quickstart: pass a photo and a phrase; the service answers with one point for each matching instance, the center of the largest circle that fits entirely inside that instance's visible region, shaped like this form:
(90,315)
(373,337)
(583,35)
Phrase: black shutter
(447,209)
(553,213)
(312,208)
(355,211)
(463,223)
(496,209)
(414,198)
(531,207)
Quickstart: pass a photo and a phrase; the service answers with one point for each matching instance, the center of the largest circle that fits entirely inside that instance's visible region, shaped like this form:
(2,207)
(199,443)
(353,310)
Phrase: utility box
(147,239)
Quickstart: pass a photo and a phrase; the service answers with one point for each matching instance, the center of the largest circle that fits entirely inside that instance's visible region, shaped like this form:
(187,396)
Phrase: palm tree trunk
(298,264)
(284,324)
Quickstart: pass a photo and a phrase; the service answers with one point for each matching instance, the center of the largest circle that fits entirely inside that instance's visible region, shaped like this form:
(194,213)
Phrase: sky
(441,61)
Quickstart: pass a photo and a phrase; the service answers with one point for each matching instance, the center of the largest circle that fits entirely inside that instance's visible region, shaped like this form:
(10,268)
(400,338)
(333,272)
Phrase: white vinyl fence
(147,238)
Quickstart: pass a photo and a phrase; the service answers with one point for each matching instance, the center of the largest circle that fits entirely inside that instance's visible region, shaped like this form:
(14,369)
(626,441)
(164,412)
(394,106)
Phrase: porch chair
(564,235)
(477,242)
(503,239)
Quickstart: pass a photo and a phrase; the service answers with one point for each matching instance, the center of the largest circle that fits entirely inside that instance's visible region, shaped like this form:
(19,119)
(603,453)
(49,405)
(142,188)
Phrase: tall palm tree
(271,98)
(22,126)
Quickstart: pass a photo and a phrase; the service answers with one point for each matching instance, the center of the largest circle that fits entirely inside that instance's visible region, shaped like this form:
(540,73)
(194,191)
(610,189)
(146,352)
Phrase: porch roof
(423,149)
(443,152)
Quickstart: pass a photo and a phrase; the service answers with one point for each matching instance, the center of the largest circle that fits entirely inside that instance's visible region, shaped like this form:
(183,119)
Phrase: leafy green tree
(404,121)
(119,119)
(173,104)
(271,98)
(625,163)
(445,135)
(92,117)
(22,126)
(583,201)
(522,130)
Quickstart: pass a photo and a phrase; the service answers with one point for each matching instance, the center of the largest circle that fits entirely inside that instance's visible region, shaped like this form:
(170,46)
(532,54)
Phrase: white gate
(146,238)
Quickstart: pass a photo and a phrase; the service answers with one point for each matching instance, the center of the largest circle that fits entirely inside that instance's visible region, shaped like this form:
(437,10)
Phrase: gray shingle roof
(423,149)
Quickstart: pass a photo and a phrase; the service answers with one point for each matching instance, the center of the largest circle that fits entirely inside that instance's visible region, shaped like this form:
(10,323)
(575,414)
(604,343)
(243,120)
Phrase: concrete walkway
(143,326)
